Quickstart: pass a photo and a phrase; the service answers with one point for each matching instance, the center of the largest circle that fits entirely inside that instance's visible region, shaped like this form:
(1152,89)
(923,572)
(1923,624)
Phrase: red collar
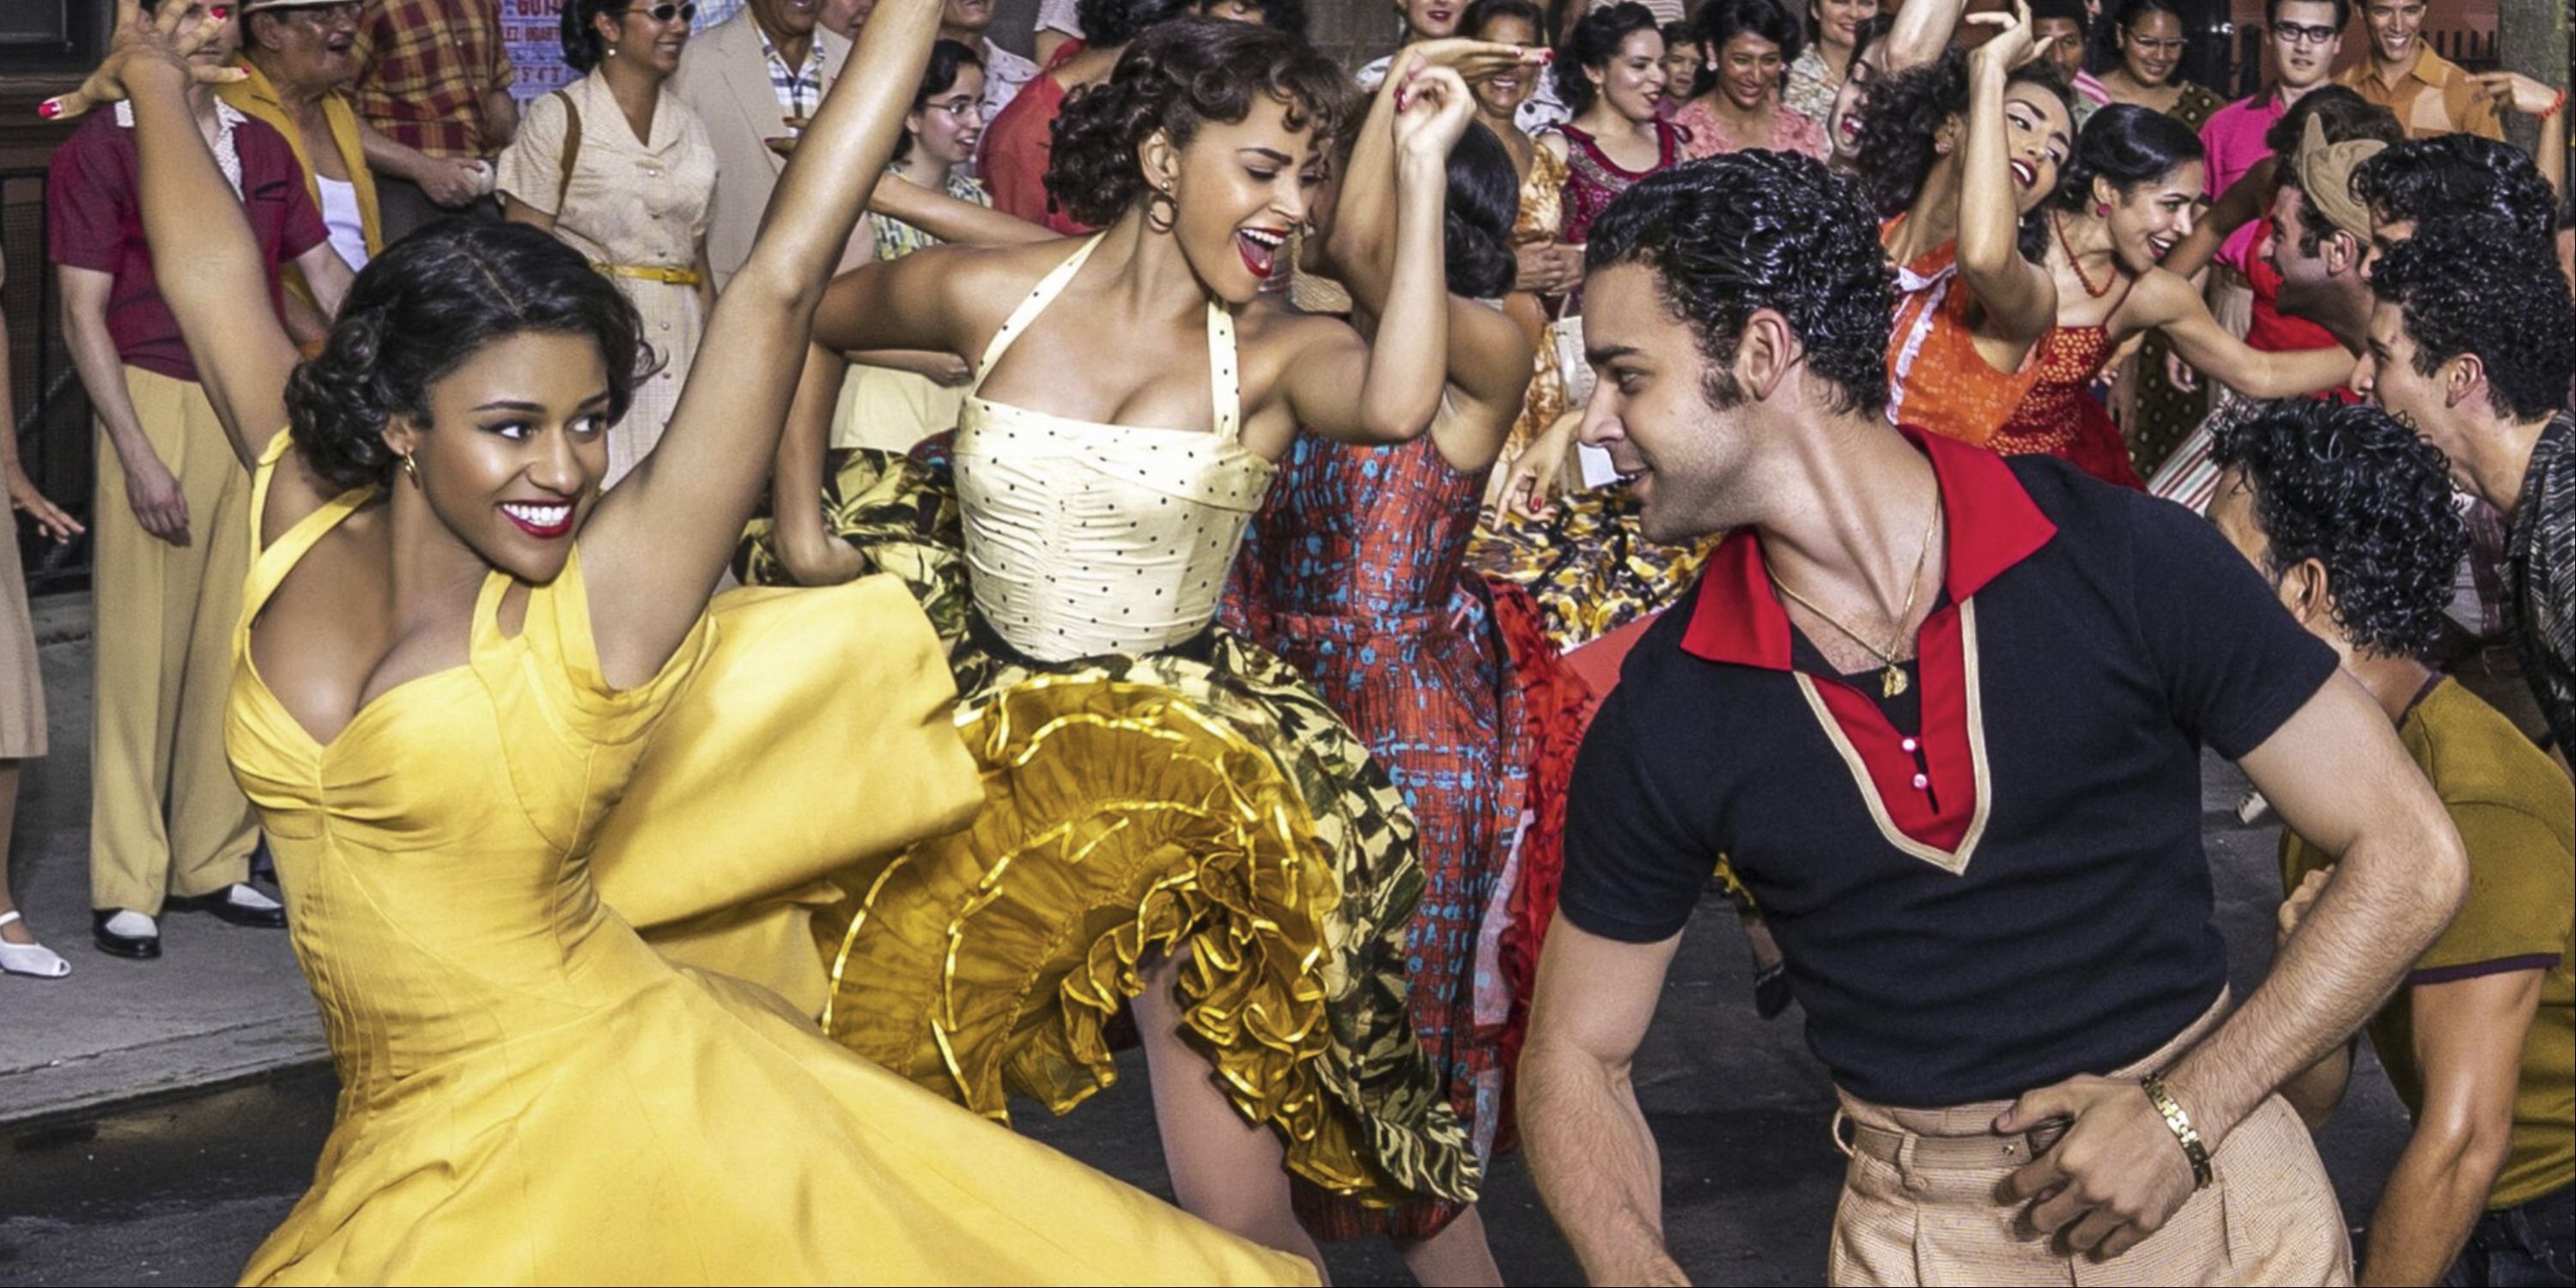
(1990,524)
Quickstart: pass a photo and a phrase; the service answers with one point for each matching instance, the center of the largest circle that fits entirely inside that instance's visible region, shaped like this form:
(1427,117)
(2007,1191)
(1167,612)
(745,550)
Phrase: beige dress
(22,684)
(634,205)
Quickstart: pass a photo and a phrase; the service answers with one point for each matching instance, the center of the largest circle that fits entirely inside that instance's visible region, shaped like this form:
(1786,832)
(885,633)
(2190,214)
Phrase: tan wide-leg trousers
(165,814)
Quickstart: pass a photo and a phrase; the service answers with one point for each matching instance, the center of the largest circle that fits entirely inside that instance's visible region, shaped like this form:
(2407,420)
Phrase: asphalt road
(182,1192)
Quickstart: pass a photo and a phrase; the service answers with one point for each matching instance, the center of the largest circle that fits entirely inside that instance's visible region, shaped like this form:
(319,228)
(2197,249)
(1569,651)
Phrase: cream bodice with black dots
(1086,538)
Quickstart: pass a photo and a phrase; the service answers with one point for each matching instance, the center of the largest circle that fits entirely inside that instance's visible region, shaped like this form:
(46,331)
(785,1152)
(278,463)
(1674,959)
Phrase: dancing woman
(1172,816)
(454,659)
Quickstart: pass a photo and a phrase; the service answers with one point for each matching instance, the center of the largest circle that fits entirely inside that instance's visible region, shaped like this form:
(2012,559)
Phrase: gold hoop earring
(411,469)
(1155,202)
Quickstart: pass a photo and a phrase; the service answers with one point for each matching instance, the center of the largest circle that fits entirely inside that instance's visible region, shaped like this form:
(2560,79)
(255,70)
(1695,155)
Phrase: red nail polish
(220,13)
(49,109)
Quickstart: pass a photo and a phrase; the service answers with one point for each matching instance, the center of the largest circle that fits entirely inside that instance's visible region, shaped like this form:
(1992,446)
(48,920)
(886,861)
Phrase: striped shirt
(2541,566)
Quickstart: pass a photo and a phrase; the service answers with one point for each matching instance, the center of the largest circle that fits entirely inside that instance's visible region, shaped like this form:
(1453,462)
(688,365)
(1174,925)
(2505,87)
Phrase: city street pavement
(157,1119)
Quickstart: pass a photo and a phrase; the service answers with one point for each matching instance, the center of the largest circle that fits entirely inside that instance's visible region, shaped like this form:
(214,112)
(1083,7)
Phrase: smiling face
(2152,48)
(1838,21)
(946,129)
(2148,219)
(516,445)
(1431,19)
(1851,104)
(635,35)
(2394,27)
(790,18)
(2308,281)
(2039,135)
(1651,407)
(1241,189)
(1499,94)
(1748,70)
(305,46)
(1681,70)
(2305,41)
(1633,80)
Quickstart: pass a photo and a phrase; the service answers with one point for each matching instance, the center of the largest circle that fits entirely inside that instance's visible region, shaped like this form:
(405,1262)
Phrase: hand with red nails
(166,39)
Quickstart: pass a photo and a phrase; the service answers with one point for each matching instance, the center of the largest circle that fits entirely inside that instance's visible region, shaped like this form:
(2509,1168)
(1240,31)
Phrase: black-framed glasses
(2300,33)
(666,12)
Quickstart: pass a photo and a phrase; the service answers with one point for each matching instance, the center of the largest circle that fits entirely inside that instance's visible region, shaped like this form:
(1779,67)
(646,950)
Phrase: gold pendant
(1891,681)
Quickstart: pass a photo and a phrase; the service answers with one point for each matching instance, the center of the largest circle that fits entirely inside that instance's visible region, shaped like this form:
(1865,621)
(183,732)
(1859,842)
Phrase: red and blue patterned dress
(1354,574)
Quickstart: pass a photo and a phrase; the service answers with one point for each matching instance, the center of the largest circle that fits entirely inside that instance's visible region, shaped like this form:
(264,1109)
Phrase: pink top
(2234,140)
(1791,131)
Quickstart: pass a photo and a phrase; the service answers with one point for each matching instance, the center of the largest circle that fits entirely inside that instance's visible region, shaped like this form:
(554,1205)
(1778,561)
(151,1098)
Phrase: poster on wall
(533,32)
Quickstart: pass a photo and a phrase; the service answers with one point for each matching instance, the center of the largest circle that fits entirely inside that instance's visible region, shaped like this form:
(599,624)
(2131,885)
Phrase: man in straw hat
(300,56)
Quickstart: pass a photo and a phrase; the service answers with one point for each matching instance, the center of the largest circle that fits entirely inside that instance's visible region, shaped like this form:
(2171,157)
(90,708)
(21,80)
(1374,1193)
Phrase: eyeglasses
(2294,33)
(2152,46)
(666,12)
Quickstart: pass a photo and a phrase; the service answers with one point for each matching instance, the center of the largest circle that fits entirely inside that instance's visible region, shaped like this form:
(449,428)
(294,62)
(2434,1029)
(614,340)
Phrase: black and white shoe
(239,903)
(123,932)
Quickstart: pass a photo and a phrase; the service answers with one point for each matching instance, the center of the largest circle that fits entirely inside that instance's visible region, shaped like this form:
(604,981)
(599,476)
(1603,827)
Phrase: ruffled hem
(1588,566)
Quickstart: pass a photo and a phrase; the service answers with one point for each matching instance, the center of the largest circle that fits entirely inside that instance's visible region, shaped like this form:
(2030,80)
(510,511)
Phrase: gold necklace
(1891,681)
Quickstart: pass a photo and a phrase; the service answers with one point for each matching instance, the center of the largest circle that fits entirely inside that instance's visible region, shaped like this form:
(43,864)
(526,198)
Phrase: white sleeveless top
(1085,538)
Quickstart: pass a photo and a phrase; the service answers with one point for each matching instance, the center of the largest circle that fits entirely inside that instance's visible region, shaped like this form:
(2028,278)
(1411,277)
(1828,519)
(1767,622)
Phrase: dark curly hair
(1896,152)
(1107,24)
(1484,202)
(2346,117)
(428,304)
(2128,145)
(1758,229)
(1719,21)
(2460,289)
(1473,22)
(947,59)
(1176,76)
(1281,15)
(1594,42)
(2364,496)
(2459,176)
(581,44)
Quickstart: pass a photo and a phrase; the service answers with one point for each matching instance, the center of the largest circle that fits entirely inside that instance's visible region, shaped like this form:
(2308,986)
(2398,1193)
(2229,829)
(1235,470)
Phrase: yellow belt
(648,273)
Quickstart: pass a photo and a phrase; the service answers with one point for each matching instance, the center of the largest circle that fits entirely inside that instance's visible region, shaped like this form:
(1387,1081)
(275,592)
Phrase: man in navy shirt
(1944,712)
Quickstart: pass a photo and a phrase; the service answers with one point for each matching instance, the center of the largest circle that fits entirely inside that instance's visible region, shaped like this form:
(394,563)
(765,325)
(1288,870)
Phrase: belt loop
(1837,1132)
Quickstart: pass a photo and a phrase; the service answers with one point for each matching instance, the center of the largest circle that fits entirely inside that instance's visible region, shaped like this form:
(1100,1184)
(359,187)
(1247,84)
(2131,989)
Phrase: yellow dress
(531,1093)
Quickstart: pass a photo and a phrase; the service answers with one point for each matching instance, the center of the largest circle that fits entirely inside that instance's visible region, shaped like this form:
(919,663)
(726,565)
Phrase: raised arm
(950,220)
(205,262)
(1589,1147)
(1388,391)
(1922,30)
(658,542)
(2244,202)
(2018,297)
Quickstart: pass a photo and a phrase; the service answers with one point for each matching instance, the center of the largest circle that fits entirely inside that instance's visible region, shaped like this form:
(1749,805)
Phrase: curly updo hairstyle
(581,44)
(2128,145)
(1593,44)
(2363,495)
(1484,201)
(426,306)
(1905,112)
(1751,230)
(1174,78)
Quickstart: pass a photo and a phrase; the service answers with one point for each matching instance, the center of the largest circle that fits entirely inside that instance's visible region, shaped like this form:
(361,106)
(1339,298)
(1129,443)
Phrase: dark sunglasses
(666,12)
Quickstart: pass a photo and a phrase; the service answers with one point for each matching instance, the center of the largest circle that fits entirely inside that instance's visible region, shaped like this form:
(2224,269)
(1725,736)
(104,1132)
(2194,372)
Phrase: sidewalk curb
(180,1067)
(62,619)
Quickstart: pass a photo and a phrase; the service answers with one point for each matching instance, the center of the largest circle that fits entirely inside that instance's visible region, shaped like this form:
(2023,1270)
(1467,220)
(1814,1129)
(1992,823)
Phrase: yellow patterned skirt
(1202,799)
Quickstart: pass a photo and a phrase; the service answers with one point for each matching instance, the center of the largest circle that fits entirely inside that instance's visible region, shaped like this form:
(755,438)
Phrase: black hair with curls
(2342,11)
(1752,230)
(2461,289)
(1593,44)
(581,44)
(1484,13)
(1107,24)
(2346,117)
(2459,176)
(2364,496)
(2128,145)
(1906,110)
(1484,202)
(1175,77)
(948,58)
(428,304)
(1280,15)
(1719,21)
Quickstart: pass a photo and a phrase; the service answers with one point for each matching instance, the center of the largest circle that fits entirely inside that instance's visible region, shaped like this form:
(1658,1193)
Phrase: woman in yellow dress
(1172,815)
(458,656)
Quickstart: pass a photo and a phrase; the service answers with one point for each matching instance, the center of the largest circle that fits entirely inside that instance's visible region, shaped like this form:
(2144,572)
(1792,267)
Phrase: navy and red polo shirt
(1995,880)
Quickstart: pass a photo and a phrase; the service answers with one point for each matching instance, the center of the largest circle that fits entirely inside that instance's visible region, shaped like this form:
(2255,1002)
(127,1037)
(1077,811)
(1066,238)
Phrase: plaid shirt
(425,67)
(800,91)
(2542,565)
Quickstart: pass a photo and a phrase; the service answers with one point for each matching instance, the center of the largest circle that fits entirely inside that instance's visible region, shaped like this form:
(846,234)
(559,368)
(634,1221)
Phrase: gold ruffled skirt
(1202,800)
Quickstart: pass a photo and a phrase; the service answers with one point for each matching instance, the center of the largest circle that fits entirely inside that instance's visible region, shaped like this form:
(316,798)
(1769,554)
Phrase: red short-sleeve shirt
(94,220)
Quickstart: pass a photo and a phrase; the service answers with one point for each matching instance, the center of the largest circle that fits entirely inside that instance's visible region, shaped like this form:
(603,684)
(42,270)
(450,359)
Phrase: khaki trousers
(1920,1204)
(165,814)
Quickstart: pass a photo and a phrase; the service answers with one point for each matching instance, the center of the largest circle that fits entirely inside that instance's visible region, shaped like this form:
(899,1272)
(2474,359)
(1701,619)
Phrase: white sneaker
(29,959)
